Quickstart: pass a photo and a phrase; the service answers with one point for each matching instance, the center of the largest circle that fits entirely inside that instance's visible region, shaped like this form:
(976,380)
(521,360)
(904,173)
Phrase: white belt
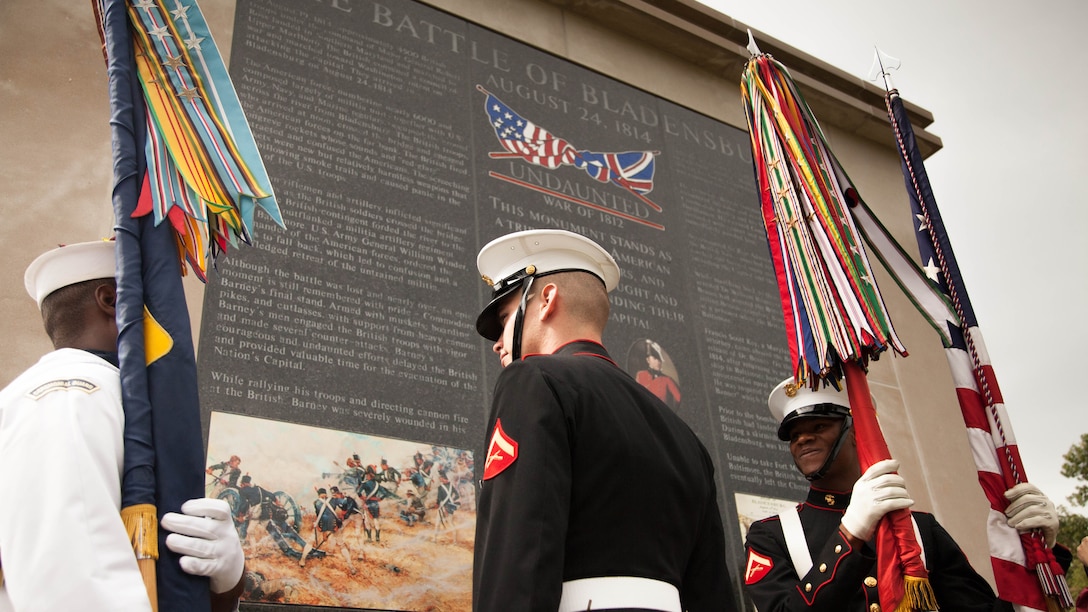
(619,592)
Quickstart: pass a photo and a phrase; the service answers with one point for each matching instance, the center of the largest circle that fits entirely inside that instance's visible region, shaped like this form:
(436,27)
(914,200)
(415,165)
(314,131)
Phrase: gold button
(874,607)
(870,582)
(808,587)
(823,567)
(838,549)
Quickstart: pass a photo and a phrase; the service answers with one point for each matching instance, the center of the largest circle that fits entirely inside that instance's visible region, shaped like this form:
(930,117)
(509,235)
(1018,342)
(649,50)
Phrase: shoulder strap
(918,537)
(797,544)
(795,541)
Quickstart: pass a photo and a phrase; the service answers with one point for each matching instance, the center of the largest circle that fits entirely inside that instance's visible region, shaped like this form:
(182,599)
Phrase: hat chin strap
(519,320)
(847,423)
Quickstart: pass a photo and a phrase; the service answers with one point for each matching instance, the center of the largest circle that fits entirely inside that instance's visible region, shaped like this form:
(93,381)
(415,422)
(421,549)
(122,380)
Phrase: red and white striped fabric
(993,445)
(1025,571)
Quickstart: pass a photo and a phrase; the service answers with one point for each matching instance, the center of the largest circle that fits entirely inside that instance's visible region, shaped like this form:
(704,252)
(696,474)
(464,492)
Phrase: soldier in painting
(448,501)
(412,509)
(371,493)
(653,378)
(254,504)
(285,535)
(229,472)
(347,509)
(389,474)
(327,530)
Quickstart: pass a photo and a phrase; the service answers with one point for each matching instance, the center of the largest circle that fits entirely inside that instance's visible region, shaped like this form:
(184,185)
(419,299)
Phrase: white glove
(876,493)
(205,534)
(1030,509)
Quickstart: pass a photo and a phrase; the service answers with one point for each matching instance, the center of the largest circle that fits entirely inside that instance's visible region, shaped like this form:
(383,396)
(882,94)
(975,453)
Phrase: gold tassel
(917,595)
(142,525)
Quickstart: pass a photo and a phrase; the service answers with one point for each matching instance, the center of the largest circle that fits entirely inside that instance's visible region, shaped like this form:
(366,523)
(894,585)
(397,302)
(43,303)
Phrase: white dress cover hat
(505,263)
(68,265)
(788,402)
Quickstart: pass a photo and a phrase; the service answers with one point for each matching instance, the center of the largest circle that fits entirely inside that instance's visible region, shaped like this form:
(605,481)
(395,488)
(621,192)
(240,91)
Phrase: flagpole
(895,529)
(834,314)
(165,70)
(935,240)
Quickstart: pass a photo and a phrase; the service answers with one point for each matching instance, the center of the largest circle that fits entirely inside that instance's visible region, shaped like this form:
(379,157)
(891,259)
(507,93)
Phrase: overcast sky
(1005,83)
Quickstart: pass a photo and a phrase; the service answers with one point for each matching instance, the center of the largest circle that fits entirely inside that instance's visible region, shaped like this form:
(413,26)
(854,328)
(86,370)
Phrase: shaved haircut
(584,296)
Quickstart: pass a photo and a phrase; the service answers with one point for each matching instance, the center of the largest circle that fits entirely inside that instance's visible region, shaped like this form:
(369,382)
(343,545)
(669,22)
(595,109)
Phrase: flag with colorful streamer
(834,315)
(1025,570)
(183,152)
(204,172)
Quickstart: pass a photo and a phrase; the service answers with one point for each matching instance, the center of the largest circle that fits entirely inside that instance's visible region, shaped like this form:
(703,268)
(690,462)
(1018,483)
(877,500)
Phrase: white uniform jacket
(62,543)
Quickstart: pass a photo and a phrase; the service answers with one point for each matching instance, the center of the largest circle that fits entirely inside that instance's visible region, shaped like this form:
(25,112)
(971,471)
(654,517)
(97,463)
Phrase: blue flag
(163,444)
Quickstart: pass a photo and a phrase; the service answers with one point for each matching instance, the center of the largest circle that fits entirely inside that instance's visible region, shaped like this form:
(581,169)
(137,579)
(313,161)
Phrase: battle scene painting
(332,518)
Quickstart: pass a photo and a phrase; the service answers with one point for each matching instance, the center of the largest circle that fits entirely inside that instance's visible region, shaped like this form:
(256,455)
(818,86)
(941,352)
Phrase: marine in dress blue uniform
(808,559)
(576,448)
(842,577)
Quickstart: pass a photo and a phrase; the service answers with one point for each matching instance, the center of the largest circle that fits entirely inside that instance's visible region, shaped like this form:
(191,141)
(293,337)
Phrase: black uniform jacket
(607,481)
(842,578)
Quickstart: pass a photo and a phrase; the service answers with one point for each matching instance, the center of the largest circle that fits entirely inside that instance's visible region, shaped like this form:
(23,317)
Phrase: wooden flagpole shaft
(147,571)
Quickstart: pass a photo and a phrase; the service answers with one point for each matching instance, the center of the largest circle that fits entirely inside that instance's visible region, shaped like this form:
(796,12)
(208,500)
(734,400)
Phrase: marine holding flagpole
(821,555)
(836,323)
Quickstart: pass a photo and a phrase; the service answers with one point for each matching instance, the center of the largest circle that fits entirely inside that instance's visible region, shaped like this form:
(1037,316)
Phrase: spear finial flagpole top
(753,48)
(882,66)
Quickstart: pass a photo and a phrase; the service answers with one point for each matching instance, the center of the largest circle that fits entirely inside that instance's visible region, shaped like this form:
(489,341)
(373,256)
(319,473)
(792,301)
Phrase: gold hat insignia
(791,389)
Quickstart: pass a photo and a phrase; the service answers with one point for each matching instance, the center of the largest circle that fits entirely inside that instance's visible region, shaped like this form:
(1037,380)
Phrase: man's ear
(105,298)
(549,301)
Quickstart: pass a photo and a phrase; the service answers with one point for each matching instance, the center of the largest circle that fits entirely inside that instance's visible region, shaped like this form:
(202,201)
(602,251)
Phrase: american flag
(524,138)
(1024,568)
(631,170)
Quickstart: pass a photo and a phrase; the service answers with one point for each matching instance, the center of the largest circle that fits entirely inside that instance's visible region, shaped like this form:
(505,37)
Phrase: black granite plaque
(382,127)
